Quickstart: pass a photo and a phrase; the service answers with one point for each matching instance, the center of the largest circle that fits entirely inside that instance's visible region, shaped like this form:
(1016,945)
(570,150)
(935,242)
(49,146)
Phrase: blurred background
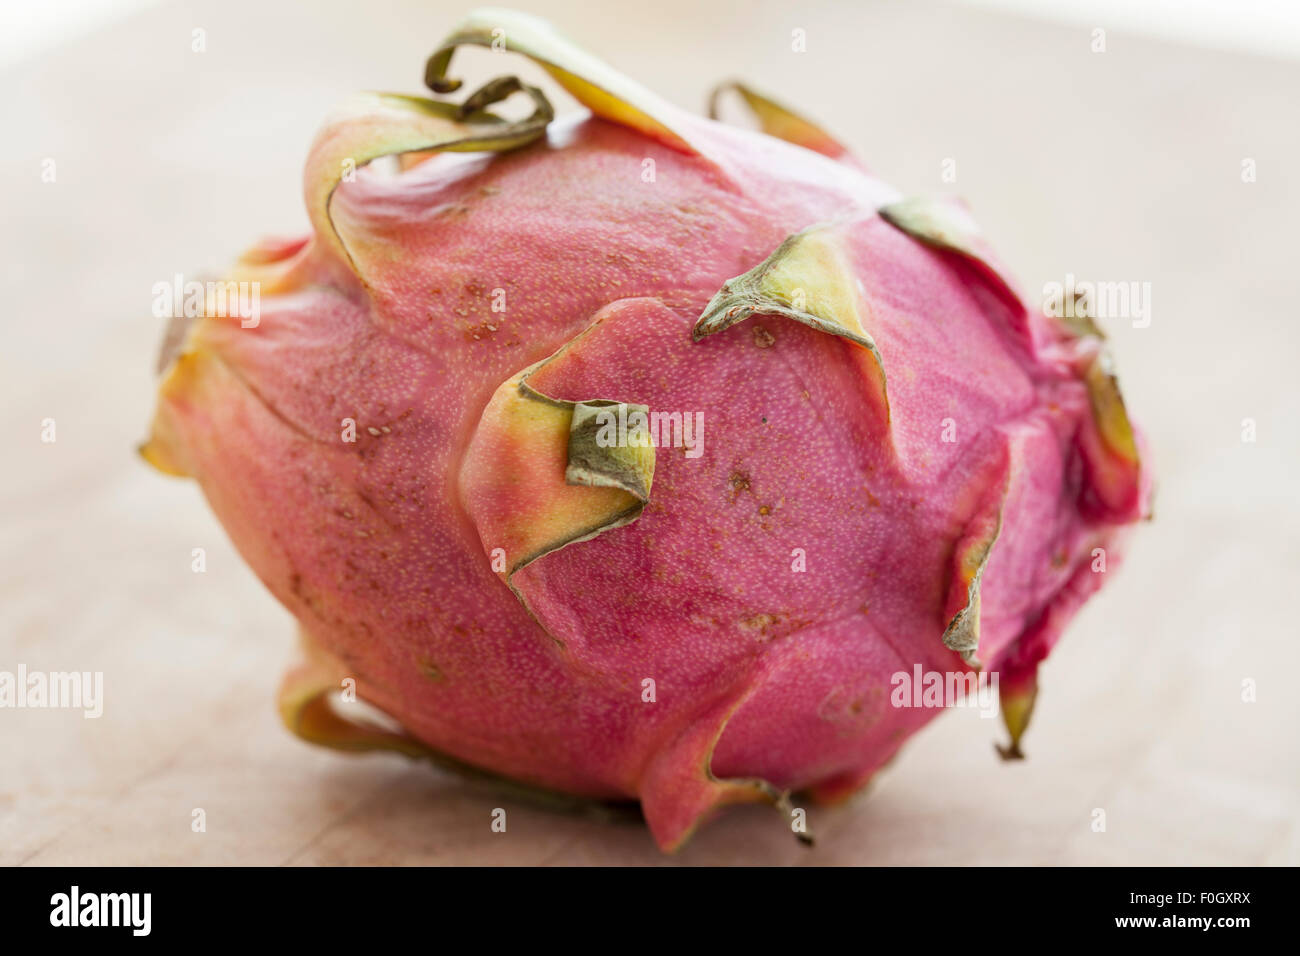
(1150,142)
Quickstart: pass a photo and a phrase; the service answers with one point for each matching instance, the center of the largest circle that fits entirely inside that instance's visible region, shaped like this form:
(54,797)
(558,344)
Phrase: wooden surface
(1119,166)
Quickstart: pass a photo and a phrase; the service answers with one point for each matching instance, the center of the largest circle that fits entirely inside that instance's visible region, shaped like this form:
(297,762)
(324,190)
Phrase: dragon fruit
(631,455)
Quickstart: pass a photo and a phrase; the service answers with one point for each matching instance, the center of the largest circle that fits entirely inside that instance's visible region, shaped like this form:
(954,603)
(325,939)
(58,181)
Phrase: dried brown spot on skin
(739,483)
(484,330)
(764,339)
(764,628)
(761,626)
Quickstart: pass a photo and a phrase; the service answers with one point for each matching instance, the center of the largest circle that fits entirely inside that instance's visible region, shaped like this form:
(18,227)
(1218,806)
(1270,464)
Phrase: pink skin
(381,547)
